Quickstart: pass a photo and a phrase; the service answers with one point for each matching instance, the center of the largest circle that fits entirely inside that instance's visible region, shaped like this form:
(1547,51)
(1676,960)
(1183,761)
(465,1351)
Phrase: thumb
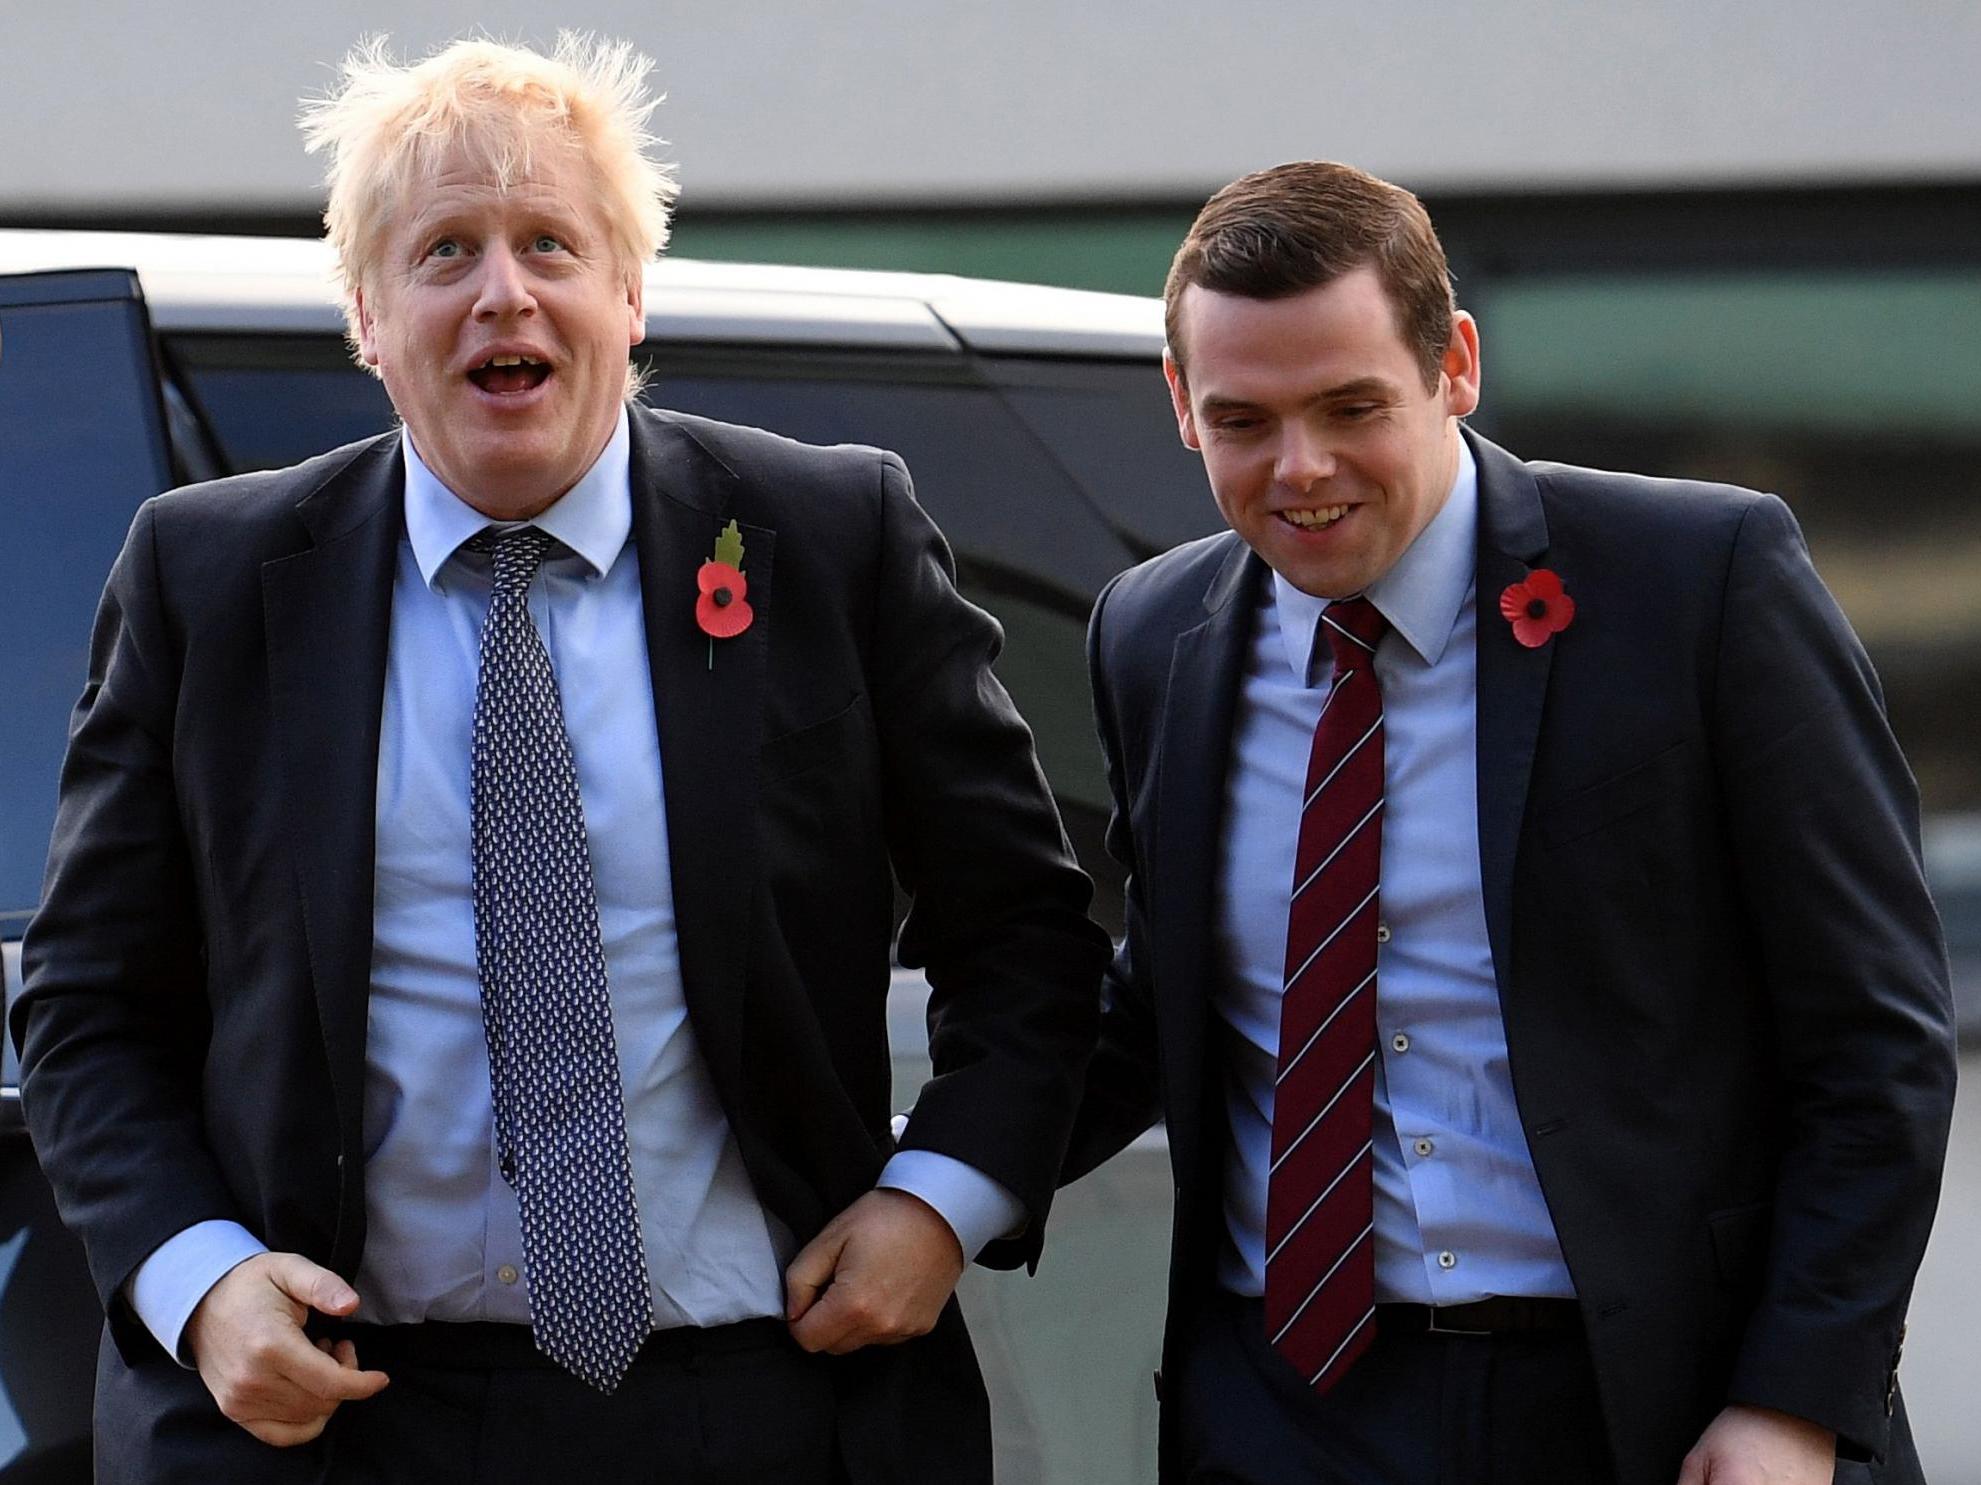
(811,1271)
(311,1285)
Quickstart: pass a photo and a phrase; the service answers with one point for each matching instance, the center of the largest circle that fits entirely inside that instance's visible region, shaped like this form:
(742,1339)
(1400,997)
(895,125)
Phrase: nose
(504,290)
(1304,458)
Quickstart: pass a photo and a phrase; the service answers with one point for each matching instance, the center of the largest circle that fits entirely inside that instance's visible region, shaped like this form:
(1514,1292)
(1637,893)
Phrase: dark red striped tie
(1320,1263)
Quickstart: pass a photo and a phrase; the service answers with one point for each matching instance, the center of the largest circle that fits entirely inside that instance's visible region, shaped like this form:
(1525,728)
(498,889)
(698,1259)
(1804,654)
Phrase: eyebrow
(1349,391)
(431,215)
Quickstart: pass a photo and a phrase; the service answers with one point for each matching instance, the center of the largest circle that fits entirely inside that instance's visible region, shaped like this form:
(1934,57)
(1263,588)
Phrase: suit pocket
(813,746)
(1740,1242)
(1638,788)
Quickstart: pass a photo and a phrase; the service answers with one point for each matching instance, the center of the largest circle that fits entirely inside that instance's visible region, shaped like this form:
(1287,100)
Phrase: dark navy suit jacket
(194,1017)
(1723,982)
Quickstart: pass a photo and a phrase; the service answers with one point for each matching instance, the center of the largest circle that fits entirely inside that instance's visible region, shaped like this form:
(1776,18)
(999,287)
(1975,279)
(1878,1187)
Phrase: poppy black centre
(1537,608)
(722,597)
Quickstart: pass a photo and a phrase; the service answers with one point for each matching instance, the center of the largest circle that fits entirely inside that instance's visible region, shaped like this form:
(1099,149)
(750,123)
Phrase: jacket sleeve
(112,1020)
(998,914)
(1823,815)
(1123,1092)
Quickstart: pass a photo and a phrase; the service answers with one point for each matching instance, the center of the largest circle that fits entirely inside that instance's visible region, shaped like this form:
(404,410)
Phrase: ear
(1461,366)
(367,334)
(636,314)
(1179,399)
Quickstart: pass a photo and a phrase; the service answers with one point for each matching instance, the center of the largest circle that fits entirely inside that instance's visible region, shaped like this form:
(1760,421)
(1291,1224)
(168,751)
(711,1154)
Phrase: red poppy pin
(1537,608)
(722,608)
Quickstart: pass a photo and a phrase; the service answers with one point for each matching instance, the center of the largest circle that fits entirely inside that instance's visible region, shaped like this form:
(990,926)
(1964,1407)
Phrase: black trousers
(1415,1410)
(478,1405)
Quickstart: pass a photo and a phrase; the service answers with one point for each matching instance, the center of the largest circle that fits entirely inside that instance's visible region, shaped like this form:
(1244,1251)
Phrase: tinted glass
(1112,428)
(81,446)
(271,401)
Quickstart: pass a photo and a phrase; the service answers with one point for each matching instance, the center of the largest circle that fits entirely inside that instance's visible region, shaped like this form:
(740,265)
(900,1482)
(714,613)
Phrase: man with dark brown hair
(1527,946)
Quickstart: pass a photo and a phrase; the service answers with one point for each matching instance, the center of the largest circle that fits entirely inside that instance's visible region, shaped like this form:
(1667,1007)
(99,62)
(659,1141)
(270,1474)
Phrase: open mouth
(506,376)
(1314,520)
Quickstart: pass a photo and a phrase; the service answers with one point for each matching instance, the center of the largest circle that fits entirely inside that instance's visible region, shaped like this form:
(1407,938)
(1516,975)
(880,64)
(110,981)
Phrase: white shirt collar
(593,518)
(1420,595)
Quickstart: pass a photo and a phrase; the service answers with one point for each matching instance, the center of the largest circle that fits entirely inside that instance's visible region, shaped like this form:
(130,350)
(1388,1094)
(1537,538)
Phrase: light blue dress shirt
(1459,1214)
(444,1240)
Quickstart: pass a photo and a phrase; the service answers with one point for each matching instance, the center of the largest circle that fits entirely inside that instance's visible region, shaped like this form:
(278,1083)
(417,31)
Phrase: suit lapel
(1207,667)
(328,611)
(1512,685)
(709,710)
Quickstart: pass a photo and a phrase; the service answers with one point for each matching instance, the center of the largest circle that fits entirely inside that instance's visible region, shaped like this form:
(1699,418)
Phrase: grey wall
(136,103)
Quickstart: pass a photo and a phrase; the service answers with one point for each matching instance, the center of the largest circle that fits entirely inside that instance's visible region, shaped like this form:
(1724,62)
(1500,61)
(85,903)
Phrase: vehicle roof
(212,283)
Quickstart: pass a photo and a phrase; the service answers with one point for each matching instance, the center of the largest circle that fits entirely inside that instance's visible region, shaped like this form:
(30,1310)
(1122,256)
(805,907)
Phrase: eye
(447,247)
(1357,410)
(545,242)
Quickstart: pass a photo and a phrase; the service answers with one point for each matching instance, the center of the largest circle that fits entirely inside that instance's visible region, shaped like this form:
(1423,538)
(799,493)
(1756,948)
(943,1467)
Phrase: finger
(311,1284)
(346,1355)
(811,1273)
(325,1378)
(830,1325)
(1693,1471)
(283,1405)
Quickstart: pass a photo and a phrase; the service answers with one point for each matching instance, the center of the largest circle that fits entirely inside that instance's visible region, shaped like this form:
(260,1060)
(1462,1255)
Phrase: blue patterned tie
(553,1063)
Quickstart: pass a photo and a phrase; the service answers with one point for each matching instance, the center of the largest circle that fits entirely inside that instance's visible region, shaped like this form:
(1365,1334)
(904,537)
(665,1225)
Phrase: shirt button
(1382,933)
(507,1273)
(1400,1042)
(1447,1259)
(1424,1147)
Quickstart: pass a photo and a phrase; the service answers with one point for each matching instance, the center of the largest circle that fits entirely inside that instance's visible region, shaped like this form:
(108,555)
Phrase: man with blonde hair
(455,1022)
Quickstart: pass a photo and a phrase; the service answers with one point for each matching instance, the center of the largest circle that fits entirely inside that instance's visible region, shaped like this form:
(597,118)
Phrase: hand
(1759,1446)
(247,1339)
(880,1273)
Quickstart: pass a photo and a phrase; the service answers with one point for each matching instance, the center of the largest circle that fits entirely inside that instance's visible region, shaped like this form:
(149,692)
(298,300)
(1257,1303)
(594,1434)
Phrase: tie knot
(1354,627)
(518,553)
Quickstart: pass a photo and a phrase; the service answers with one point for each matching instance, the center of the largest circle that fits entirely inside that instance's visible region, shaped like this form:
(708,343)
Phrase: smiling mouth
(1314,520)
(506,376)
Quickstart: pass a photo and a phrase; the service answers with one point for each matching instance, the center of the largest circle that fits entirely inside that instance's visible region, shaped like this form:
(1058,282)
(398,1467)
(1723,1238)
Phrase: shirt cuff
(976,1208)
(169,1285)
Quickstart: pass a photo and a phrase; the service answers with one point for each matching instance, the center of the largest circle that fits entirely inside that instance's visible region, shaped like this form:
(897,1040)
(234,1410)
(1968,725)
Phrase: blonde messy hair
(386,124)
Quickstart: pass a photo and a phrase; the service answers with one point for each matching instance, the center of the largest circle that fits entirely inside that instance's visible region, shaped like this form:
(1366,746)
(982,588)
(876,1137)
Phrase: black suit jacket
(193,1024)
(1723,982)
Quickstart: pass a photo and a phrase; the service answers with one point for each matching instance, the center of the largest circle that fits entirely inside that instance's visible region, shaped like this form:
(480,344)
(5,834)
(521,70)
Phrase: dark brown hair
(1280,232)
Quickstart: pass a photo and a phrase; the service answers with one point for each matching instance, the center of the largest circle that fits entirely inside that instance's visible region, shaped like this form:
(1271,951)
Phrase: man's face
(500,323)
(1325,450)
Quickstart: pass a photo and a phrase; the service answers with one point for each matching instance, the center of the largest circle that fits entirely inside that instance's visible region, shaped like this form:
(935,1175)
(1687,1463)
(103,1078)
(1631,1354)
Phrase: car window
(81,446)
(270,400)
(1111,425)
